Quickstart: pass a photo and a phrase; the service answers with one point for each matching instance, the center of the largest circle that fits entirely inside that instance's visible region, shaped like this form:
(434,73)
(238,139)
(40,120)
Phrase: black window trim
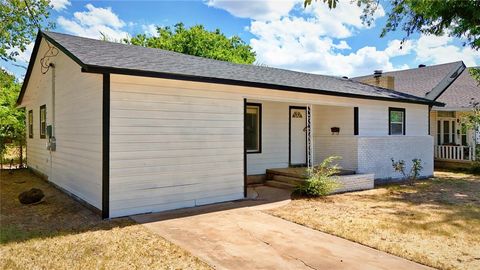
(44,135)
(30,124)
(393,109)
(259,105)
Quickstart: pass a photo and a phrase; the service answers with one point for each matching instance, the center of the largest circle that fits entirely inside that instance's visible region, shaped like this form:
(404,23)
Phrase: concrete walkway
(238,235)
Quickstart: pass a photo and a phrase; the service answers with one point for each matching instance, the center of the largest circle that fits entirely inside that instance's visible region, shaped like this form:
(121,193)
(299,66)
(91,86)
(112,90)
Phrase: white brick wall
(334,145)
(375,153)
(355,182)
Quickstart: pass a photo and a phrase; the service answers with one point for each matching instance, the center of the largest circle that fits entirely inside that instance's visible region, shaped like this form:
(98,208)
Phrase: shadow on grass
(57,215)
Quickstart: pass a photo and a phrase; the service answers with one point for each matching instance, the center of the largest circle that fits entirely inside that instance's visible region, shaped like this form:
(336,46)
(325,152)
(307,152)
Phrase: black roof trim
(182,77)
(443,85)
(31,63)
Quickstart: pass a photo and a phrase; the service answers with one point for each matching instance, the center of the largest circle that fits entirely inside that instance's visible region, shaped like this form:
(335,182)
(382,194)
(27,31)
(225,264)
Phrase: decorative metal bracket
(46,60)
(309,137)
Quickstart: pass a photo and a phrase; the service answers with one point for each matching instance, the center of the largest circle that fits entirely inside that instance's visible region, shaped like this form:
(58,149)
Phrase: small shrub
(399,166)
(321,180)
(475,168)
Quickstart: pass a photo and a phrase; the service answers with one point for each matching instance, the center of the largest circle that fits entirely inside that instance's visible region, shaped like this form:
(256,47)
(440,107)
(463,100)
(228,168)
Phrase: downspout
(53,101)
(51,145)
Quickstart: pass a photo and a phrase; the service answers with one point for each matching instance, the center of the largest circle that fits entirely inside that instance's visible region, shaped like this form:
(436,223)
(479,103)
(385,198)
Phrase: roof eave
(31,63)
(183,77)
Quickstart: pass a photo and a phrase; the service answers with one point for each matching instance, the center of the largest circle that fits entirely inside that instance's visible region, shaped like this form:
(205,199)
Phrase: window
(253,128)
(43,121)
(396,119)
(446,114)
(463,134)
(30,124)
(446,132)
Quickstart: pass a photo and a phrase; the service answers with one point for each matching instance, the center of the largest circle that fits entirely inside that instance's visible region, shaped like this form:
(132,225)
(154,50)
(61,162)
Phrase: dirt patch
(436,222)
(60,233)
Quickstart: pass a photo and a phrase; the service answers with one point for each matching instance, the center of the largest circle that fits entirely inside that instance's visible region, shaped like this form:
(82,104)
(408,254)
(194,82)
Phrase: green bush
(321,180)
(475,168)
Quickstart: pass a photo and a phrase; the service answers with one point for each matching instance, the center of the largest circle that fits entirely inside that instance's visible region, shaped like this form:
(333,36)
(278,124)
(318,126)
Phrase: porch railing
(454,152)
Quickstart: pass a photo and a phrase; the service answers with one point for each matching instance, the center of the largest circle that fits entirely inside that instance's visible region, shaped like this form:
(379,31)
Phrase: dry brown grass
(436,222)
(60,233)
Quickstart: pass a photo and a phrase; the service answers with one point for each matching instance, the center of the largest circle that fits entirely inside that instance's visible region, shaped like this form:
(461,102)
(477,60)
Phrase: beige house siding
(76,164)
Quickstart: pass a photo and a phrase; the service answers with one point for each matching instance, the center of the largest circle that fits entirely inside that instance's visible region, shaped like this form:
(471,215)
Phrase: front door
(298,136)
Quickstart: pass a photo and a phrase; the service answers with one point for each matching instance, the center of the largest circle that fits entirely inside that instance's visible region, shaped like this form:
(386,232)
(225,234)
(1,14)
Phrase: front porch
(289,178)
(284,137)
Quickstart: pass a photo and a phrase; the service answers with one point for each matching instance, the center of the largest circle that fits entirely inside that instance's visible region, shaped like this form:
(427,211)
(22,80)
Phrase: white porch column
(309,136)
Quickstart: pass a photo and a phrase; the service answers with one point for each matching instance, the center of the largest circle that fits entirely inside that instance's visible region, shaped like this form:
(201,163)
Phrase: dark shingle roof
(95,55)
(420,81)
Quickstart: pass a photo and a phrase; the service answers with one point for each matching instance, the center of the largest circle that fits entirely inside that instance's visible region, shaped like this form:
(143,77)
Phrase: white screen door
(298,136)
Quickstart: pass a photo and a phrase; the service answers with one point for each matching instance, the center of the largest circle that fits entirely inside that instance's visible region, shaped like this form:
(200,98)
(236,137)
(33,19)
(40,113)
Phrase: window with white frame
(446,128)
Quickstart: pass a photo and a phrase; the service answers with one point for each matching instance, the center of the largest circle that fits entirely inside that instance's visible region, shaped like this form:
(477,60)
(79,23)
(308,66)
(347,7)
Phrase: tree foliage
(12,119)
(20,21)
(197,41)
(458,18)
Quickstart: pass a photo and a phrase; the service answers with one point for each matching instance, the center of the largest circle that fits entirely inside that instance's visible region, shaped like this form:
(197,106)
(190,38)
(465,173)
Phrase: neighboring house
(132,130)
(450,84)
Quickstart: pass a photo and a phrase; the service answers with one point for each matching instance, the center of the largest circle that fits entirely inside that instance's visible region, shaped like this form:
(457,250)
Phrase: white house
(451,84)
(131,130)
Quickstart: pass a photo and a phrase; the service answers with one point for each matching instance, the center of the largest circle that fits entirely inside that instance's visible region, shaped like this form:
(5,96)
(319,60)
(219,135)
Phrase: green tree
(458,18)
(20,21)
(12,119)
(197,41)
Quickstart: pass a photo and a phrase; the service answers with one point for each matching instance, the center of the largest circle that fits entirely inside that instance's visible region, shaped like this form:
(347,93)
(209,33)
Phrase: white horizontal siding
(171,149)
(275,135)
(373,119)
(76,165)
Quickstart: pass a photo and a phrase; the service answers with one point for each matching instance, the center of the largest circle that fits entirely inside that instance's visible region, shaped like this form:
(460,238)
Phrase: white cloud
(150,29)
(23,57)
(307,43)
(59,5)
(440,49)
(93,22)
(298,50)
(254,9)
(343,20)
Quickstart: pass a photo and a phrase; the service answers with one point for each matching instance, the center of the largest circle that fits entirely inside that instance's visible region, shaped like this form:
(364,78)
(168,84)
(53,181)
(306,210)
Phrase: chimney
(422,66)
(379,79)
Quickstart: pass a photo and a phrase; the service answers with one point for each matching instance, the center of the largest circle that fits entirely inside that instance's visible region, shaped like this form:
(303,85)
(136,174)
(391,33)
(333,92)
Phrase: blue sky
(282,32)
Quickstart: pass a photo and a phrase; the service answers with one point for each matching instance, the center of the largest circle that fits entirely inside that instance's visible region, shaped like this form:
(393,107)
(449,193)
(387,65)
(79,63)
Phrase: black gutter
(106,147)
(183,77)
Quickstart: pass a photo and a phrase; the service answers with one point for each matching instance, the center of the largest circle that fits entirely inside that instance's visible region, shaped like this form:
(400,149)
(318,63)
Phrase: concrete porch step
(289,172)
(278,184)
(288,179)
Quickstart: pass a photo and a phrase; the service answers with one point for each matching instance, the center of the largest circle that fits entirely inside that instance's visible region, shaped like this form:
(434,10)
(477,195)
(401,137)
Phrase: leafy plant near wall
(400,166)
(472,121)
(321,179)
